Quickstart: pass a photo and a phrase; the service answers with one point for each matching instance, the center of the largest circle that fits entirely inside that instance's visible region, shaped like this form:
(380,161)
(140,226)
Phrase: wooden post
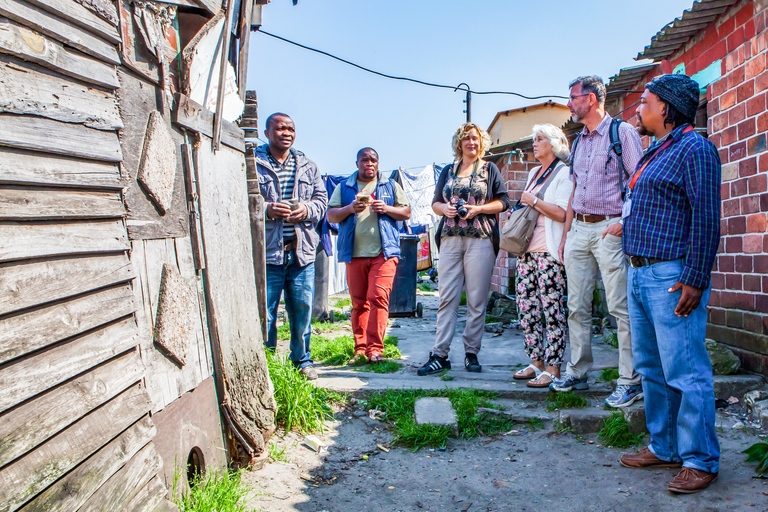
(256,206)
(246,12)
(225,37)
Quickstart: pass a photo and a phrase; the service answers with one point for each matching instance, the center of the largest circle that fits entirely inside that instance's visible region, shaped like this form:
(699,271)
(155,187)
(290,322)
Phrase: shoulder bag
(517,231)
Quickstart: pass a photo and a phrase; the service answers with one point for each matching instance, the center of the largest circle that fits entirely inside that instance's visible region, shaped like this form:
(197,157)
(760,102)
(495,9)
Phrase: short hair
(367,149)
(463,131)
(556,137)
(591,84)
(272,118)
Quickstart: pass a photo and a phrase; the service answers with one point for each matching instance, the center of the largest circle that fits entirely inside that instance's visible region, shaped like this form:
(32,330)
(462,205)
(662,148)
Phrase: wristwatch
(534,202)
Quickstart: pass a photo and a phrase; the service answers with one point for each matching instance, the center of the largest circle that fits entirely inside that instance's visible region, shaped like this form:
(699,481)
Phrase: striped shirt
(675,206)
(596,171)
(286,176)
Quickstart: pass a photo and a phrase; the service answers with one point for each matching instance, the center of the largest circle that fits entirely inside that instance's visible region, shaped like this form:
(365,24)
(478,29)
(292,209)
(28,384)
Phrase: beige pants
(465,263)
(585,252)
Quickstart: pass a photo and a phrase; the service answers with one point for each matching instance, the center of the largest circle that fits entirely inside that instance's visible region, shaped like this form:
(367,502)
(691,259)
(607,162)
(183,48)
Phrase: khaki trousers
(585,253)
(465,263)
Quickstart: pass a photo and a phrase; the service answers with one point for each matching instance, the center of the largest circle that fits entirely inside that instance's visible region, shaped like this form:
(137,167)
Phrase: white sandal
(542,374)
(519,374)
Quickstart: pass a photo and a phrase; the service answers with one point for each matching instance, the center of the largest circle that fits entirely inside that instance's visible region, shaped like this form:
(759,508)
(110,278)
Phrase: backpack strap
(573,151)
(616,147)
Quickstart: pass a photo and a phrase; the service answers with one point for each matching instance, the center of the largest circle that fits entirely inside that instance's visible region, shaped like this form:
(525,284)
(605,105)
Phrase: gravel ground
(524,470)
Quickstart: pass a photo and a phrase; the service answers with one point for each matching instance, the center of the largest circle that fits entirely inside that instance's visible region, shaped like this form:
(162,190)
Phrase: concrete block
(751,398)
(736,385)
(764,420)
(157,168)
(175,307)
(724,362)
(584,421)
(495,327)
(635,416)
(435,411)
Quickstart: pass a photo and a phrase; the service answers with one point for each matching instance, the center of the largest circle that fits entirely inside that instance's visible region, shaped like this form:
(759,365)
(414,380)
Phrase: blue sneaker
(624,395)
(569,382)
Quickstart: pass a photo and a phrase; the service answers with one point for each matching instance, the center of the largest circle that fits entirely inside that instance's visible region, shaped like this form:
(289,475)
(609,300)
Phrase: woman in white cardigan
(541,284)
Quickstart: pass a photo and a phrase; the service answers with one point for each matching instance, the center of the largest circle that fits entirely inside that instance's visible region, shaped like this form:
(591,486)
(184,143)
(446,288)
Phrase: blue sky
(533,48)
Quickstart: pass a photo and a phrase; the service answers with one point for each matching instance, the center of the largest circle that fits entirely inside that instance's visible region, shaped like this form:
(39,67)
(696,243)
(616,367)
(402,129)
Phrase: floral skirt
(541,289)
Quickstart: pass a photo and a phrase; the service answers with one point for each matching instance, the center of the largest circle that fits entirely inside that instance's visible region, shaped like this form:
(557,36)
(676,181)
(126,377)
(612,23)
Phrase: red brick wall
(737,125)
(516,175)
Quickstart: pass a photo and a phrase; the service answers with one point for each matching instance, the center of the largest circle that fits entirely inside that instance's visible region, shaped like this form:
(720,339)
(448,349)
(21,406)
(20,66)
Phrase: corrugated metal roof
(670,38)
(628,77)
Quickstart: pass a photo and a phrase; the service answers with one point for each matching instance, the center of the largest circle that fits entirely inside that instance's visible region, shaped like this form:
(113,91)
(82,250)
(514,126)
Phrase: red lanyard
(658,151)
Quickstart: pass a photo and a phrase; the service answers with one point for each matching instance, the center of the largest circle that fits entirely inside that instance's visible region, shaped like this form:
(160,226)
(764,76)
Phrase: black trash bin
(402,300)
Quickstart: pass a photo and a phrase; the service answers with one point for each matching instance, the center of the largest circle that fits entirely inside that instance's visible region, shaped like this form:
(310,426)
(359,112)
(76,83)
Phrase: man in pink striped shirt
(592,237)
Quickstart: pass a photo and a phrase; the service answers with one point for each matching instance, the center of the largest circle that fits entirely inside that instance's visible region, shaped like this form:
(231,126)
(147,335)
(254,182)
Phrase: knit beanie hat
(678,90)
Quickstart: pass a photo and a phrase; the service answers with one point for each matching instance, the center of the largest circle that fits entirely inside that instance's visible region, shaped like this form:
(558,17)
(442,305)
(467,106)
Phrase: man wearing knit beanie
(671,234)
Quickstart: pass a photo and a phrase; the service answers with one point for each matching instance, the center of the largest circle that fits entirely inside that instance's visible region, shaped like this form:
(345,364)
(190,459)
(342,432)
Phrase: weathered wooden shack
(130,339)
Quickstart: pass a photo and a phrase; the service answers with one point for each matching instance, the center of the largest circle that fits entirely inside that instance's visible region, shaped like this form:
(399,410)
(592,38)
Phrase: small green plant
(277,454)
(758,452)
(446,378)
(300,404)
(217,491)
(490,319)
(535,424)
(561,427)
(463,301)
(565,400)
(609,374)
(616,432)
(424,287)
(326,327)
(611,337)
(284,331)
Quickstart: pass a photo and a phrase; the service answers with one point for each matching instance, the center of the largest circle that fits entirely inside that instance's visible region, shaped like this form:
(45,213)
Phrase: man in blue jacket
(295,200)
(367,208)
(671,233)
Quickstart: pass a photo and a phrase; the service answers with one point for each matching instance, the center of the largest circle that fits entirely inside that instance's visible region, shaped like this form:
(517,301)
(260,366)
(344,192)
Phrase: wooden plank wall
(75,426)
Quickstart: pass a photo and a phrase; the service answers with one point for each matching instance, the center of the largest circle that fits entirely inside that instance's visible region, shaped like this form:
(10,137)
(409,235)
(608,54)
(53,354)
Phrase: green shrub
(609,374)
(758,452)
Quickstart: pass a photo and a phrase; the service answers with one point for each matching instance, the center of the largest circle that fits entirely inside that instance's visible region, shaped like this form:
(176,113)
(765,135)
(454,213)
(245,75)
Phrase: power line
(406,79)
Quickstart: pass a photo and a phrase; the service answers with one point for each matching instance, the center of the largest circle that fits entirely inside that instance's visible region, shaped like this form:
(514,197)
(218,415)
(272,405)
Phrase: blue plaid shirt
(675,210)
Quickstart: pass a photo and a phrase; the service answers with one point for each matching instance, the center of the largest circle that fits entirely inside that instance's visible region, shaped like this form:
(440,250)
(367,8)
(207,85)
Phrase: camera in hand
(461,209)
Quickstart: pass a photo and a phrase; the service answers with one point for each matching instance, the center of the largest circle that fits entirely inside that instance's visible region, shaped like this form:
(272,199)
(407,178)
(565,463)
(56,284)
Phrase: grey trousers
(465,263)
(585,252)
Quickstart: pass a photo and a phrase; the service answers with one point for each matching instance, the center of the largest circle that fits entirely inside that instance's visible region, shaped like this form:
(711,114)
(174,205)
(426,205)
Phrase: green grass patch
(535,424)
(463,300)
(565,400)
(301,406)
(609,374)
(611,337)
(284,331)
(758,452)
(399,407)
(490,319)
(381,367)
(616,432)
(217,491)
(446,378)
(339,350)
(277,454)
(326,327)
(340,302)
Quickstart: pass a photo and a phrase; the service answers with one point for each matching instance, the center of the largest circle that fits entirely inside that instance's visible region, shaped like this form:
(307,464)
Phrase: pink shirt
(595,169)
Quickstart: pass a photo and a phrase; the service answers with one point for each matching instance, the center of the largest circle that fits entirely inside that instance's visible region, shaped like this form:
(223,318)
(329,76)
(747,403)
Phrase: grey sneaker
(309,373)
(624,395)
(569,382)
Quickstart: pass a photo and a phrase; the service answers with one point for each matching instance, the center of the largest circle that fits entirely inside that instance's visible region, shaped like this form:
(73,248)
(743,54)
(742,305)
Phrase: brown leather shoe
(646,459)
(691,480)
(309,373)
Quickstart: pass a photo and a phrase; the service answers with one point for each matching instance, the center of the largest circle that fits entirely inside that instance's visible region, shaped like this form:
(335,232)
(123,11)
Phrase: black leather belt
(289,246)
(592,219)
(639,261)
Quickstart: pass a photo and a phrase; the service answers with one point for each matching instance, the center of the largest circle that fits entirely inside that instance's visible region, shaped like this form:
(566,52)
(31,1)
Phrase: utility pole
(468,101)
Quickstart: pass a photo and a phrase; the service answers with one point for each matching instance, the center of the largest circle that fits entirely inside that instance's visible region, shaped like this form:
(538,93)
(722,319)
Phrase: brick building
(722,45)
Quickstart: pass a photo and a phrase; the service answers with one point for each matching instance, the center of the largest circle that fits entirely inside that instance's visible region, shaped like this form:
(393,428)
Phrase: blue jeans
(299,285)
(670,356)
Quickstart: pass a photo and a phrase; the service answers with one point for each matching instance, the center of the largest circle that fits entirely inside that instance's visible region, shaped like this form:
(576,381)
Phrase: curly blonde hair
(461,134)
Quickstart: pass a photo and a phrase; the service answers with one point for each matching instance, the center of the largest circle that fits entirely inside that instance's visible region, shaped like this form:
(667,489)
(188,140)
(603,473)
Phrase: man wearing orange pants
(367,208)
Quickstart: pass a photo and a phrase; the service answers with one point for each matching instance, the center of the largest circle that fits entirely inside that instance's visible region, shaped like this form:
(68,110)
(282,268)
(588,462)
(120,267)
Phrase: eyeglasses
(574,96)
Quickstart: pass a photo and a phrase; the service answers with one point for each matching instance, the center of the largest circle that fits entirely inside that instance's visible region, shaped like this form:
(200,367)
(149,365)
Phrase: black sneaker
(471,363)
(436,364)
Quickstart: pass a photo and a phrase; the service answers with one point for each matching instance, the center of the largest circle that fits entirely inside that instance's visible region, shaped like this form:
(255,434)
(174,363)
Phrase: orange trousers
(370,282)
